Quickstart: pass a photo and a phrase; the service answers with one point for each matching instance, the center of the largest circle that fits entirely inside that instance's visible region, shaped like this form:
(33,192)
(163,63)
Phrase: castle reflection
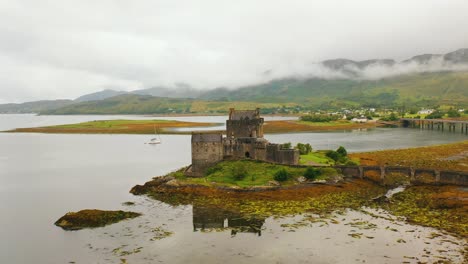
(205,218)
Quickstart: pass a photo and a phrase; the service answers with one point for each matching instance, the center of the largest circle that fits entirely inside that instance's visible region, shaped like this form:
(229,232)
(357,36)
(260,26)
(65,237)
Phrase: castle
(244,140)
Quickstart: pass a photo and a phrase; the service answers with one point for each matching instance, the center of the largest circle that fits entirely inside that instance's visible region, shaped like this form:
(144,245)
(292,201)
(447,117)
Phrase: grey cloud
(63,49)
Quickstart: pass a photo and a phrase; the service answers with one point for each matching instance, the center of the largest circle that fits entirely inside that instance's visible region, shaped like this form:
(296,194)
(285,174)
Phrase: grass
(315,158)
(257,174)
(117,127)
(442,157)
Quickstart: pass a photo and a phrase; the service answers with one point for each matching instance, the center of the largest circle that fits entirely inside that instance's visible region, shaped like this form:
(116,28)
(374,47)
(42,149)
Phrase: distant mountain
(181,91)
(33,107)
(459,56)
(177,92)
(147,104)
(422,80)
(413,89)
(423,59)
(99,95)
(125,104)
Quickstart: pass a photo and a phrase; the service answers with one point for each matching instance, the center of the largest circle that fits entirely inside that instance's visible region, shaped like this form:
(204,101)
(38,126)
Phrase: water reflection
(206,218)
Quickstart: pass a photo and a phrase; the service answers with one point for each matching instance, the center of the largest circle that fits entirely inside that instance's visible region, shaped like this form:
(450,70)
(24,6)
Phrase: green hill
(33,107)
(420,89)
(416,90)
(146,104)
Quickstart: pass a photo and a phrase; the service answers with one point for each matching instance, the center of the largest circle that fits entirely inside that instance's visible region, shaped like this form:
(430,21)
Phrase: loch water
(43,176)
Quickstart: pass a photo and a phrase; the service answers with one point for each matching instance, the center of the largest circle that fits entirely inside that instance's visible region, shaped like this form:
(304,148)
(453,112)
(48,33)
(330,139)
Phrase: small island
(244,175)
(90,218)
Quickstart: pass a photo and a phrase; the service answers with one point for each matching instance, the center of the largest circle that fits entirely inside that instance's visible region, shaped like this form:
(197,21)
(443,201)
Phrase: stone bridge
(415,175)
(439,124)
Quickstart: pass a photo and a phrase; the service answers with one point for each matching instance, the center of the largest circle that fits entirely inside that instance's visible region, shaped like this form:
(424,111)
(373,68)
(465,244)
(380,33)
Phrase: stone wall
(207,149)
(244,128)
(275,154)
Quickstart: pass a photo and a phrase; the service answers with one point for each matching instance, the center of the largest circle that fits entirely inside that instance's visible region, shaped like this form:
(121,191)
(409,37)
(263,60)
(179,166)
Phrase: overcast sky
(64,49)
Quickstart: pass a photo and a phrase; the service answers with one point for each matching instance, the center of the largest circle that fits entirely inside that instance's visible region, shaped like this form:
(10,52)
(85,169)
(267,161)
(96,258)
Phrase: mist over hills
(420,81)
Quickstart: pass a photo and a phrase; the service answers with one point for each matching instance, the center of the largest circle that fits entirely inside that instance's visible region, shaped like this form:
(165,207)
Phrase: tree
(333,155)
(435,115)
(342,151)
(453,113)
(304,148)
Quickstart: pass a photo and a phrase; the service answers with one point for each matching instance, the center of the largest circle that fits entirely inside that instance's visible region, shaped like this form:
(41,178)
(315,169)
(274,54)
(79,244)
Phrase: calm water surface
(43,176)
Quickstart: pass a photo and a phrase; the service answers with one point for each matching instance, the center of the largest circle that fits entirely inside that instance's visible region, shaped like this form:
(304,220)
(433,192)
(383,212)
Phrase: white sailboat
(155,140)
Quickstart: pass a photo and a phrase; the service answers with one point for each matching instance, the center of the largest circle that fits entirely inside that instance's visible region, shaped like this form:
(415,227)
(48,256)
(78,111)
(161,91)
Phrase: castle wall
(207,149)
(244,128)
(275,154)
(244,140)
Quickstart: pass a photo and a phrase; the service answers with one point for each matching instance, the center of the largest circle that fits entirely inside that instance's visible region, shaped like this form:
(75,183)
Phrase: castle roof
(243,114)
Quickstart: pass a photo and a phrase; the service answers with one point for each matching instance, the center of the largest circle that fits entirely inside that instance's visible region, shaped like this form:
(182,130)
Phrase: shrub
(453,113)
(318,118)
(333,155)
(351,163)
(239,172)
(281,175)
(342,151)
(391,117)
(435,115)
(311,173)
(287,145)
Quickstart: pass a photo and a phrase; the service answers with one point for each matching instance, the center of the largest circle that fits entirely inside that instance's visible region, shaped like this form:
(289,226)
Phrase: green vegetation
(415,90)
(315,158)
(117,127)
(453,113)
(92,218)
(248,173)
(304,149)
(403,92)
(145,104)
(340,156)
(239,173)
(319,118)
(391,117)
(435,115)
(312,173)
(281,175)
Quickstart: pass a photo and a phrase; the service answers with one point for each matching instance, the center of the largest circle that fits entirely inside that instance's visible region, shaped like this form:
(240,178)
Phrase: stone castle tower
(244,140)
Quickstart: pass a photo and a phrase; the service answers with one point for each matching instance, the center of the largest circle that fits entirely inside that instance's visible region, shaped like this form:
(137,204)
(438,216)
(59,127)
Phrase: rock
(301,179)
(320,181)
(173,183)
(274,183)
(154,183)
(335,178)
(89,218)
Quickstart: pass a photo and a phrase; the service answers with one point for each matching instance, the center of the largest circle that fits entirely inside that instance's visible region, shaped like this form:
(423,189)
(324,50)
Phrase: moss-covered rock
(90,218)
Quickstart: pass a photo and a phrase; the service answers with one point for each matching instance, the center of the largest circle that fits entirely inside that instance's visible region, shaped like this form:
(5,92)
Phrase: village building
(243,140)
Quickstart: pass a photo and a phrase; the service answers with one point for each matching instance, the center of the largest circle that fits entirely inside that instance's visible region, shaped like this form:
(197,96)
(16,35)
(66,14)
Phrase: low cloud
(63,49)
